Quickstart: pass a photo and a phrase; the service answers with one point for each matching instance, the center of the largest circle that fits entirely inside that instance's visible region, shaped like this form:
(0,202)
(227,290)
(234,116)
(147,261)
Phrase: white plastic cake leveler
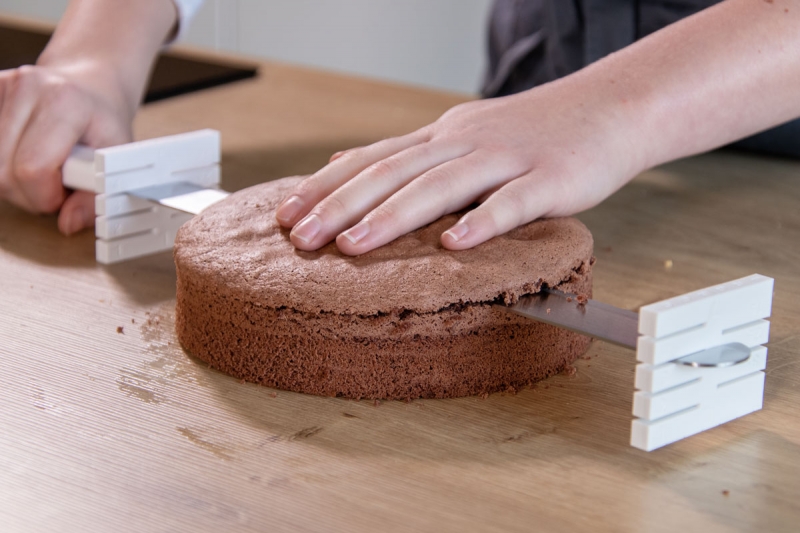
(701,358)
(146,190)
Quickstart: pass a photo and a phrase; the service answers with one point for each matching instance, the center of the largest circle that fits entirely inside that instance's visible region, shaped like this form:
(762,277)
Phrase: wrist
(601,125)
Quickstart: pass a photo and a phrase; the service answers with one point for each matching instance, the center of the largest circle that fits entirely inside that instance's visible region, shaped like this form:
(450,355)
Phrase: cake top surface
(238,246)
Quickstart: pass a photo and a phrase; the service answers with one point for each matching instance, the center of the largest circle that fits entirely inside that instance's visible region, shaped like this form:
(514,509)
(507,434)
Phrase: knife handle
(78,172)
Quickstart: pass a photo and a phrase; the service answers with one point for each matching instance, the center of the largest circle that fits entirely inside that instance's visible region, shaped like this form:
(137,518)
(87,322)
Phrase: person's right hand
(44,112)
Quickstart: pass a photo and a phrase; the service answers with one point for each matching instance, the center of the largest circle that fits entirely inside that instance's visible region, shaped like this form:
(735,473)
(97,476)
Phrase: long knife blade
(182,196)
(596,319)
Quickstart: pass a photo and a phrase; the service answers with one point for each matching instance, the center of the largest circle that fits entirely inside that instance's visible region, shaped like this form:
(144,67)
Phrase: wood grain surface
(107,425)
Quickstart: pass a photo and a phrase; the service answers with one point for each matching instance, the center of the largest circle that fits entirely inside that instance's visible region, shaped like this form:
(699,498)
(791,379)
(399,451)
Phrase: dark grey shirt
(532,42)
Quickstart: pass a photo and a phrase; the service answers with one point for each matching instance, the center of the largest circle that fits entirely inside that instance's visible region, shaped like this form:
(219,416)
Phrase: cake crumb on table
(668,264)
(726,492)
(570,370)
(121,330)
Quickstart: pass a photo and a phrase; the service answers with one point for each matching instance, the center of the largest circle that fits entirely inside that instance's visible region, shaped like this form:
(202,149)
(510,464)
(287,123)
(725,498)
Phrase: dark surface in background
(173,75)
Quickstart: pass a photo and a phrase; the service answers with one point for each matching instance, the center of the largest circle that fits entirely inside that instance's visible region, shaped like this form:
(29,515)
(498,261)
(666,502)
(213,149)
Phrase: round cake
(407,320)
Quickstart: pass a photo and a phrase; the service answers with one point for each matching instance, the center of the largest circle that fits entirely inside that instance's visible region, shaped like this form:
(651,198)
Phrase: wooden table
(106,425)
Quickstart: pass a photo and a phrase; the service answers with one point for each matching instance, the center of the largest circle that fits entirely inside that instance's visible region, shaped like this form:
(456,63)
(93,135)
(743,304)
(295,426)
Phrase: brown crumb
(120,330)
(668,264)
(376,403)
(484,396)
(569,299)
(582,300)
(570,370)
(726,492)
(273,394)
(133,321)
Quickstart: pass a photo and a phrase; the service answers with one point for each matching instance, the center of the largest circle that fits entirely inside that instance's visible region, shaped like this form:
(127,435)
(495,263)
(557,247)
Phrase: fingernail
(76,221)
(458,231)
(288,210)
(357,232)
(308,228)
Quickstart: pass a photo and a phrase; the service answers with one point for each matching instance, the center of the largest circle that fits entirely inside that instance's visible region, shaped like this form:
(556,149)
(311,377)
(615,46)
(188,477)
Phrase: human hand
(44,112)
(549,152)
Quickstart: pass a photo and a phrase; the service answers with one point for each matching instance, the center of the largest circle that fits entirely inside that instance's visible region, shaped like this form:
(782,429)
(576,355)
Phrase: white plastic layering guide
(128,225)
(677,400)
(701,358)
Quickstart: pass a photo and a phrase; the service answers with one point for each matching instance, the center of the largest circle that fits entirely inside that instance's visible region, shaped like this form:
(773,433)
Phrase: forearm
(728,72)
(113,44)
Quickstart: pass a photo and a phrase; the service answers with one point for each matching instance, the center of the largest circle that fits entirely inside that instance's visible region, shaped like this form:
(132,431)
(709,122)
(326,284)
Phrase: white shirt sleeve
(186,10)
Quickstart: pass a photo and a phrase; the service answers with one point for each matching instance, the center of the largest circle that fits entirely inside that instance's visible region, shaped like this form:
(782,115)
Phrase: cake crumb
(582,300)
(668,264)
(376,403)
(120,330)
(726,492)
(484,396)
(569,299)
(548,310)
(133,321)
(570,370)
(273,394)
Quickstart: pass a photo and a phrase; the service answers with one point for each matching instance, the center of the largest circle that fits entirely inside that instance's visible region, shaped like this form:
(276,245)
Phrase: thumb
(77,213)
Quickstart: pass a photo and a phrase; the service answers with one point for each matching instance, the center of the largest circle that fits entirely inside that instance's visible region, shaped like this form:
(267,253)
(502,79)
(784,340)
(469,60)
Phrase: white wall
(433,43)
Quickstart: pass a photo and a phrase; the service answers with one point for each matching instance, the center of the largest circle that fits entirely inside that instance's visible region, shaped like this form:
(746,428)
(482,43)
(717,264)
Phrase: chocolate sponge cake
(407,320)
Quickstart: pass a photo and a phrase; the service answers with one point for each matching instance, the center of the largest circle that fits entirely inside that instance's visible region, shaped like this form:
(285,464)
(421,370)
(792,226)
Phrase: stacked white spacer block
(675,401)
(129,227)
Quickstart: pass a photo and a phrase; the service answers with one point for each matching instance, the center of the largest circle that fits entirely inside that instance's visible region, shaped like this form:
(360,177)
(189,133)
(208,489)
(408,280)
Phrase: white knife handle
(79,170)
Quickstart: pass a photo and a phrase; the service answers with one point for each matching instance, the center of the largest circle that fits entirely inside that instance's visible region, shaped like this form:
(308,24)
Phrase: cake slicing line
(146,190)
(701,355)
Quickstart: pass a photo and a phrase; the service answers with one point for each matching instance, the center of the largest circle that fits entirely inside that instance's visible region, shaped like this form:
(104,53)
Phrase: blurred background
(431,43)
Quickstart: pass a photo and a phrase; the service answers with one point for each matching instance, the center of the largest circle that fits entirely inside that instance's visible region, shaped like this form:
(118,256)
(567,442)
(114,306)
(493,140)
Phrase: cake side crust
(462,350)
